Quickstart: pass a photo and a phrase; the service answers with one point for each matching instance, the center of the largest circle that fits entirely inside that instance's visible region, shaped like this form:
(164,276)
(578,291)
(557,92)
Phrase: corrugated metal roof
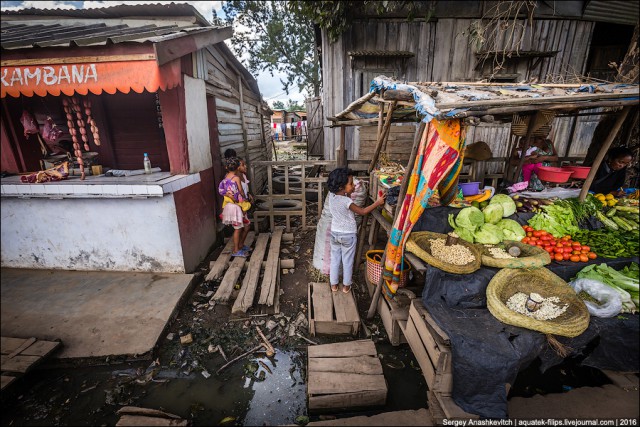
(119,11)
(616,11)
(27,36)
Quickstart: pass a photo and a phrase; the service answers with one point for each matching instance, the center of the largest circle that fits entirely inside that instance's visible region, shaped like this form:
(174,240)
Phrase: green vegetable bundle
(610,244)
(625,282)
(558,219)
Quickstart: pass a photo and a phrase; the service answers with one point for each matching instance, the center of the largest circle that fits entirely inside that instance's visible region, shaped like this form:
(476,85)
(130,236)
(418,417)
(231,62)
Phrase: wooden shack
(154,79)
(562,42)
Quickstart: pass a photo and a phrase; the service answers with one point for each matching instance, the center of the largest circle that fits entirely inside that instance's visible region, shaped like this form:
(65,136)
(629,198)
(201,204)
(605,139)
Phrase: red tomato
(548,249)
(545,237)
(543,232)
(558,257)
(537,234)
(558,250)
(566,256)
(575,252)
(525,240)
(567,250)
(587,248)
(584,258)
(559,245)
(592,255)
(574,258)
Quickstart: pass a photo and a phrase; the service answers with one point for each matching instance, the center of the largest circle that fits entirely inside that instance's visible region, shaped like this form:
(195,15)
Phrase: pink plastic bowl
(551,174)
(579,172)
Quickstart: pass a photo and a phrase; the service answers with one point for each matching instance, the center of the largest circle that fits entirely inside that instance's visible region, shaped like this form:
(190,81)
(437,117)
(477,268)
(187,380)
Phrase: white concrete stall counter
(101,223)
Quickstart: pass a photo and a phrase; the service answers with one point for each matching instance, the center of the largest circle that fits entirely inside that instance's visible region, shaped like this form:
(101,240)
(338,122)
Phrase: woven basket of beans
(530,256)
(460,258)
(541,282)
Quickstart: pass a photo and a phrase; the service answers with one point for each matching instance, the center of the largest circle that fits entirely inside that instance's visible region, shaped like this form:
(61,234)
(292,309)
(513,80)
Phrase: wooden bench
(345,375)
(332,313)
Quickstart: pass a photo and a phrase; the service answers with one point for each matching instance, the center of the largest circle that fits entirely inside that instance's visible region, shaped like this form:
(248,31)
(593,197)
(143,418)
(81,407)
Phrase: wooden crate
(393,316)
(345,375)
(432,348)
(332,313)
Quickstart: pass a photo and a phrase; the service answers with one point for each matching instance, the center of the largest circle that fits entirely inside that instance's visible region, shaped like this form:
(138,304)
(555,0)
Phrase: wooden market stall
(407,318)
(101,87)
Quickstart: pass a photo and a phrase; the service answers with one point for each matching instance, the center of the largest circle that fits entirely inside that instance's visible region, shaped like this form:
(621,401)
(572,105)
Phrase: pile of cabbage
(489,226)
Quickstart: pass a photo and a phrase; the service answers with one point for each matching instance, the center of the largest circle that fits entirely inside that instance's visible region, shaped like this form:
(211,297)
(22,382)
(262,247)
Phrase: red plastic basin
(551,174)
(579,172)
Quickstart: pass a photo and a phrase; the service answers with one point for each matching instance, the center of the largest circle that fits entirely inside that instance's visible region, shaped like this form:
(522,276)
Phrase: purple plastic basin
(470,188)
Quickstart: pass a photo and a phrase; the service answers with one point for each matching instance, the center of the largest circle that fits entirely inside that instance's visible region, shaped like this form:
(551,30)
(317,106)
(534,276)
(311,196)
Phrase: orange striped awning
(82,78)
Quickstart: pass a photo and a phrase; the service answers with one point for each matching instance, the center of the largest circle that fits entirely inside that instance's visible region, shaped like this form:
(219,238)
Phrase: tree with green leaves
(278,105)
(294,106)
(271,36)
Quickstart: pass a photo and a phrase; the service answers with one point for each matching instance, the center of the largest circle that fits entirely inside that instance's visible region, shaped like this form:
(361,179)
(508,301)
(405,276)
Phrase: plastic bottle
(147,163)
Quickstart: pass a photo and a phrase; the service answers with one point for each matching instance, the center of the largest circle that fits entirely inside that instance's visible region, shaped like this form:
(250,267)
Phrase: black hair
(338,179)
(619,153)
(231,163)
(230,152)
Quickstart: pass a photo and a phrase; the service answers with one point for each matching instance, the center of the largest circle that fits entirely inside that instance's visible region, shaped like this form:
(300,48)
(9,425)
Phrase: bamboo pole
(603,151)
(385,134)
(403,191)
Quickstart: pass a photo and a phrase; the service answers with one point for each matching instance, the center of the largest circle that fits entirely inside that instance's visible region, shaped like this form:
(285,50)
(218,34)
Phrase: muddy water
(239,394)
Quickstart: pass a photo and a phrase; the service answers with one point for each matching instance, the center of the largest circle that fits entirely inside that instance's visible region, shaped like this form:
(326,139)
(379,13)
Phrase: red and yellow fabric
(437,166)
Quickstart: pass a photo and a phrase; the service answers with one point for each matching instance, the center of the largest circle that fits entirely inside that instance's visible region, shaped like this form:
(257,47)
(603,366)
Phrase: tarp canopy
(68,78)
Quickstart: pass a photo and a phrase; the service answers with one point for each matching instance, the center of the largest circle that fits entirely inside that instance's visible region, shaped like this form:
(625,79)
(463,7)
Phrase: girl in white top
(343,226)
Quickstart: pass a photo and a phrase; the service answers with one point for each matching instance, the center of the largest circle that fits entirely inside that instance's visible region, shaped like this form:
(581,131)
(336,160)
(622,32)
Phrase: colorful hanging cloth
(437,166)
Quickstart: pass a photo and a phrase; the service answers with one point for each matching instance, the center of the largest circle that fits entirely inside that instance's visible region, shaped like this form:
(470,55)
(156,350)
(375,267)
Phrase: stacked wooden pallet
(432,349)
(231,270)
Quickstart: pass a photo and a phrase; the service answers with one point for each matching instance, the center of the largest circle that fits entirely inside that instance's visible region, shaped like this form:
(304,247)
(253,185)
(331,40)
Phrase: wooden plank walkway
(19,355)
(250,282)
(270,279)
(220,265)
(223,294)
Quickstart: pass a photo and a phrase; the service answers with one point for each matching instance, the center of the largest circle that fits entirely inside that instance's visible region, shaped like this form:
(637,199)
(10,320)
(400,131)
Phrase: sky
(270,86)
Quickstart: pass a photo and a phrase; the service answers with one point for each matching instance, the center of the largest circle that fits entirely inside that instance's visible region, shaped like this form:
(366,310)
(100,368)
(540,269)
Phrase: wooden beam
(169,50)
(533,101)
(403,189)
(385,134)
(603,151)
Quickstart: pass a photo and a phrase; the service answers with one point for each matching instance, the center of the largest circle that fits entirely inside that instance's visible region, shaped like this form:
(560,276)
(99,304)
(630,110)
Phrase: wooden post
(341,157)
(527,142)
(603,151)
(361,238)
(383,137)
(380,117)
(403,191)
